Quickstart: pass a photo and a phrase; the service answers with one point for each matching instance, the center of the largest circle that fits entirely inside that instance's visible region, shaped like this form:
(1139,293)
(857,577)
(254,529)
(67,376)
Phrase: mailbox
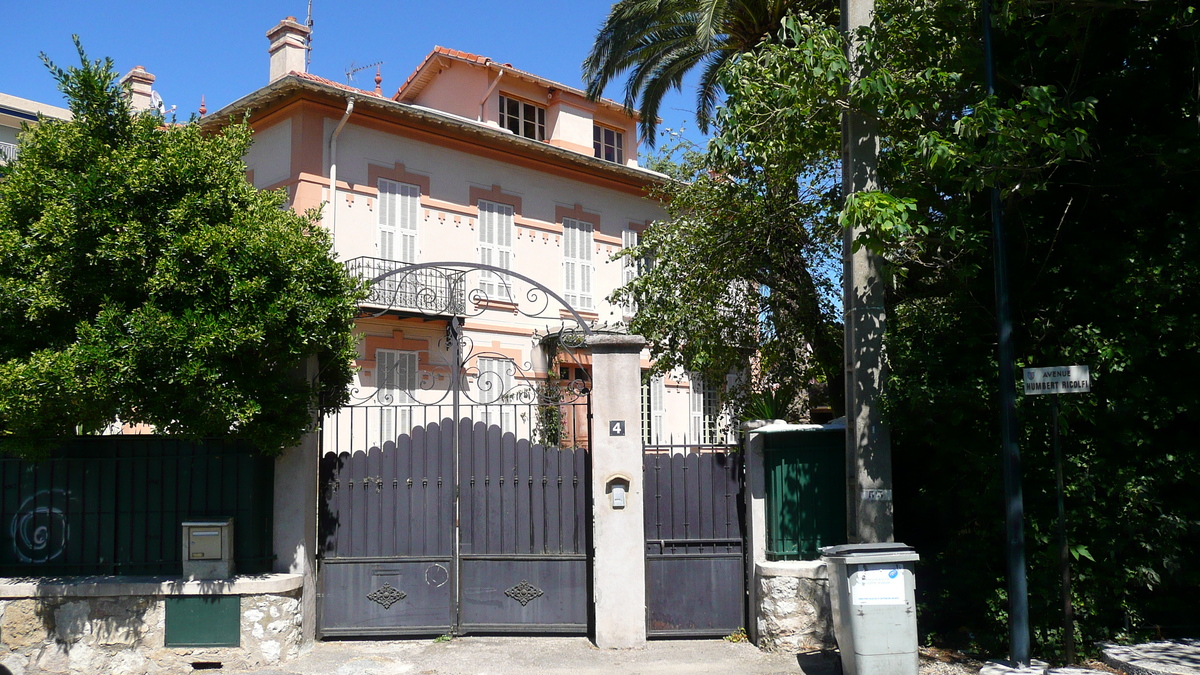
(208,549)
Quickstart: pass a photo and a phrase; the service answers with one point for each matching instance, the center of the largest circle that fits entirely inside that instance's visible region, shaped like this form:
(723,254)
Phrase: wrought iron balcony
(433,291)
(8,152)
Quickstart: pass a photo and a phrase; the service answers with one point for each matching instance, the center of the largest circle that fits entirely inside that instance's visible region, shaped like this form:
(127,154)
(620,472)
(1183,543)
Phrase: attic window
(523,119)
(607,144)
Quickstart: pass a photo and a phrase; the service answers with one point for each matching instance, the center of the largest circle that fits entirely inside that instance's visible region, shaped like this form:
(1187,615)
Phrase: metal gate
(464,504)
(695,541)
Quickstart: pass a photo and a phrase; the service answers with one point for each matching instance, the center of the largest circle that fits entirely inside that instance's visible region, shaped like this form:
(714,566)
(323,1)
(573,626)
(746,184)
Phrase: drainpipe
(333,170)
(483,102)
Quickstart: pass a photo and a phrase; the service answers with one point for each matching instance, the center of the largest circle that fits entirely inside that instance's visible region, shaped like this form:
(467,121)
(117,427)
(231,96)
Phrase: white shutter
(396,378)
(697,397)
(577,263)
(629,268)
(495,245)
(658,406)
(410,202)
(495,382)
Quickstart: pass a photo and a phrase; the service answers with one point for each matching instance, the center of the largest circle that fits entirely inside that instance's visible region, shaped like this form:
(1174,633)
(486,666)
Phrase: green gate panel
(204,621)
(806,492)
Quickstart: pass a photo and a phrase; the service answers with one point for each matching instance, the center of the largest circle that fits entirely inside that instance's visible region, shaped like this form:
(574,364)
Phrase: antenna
(308,40)
(351,69)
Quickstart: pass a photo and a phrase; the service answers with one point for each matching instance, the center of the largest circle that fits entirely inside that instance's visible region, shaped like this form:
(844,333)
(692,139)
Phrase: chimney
(139,83)
(287,48)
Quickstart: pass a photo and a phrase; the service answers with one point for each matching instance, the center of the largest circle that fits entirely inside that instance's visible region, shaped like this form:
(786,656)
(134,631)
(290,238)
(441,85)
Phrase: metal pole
(454,331)
(1018,588)
(1064,559)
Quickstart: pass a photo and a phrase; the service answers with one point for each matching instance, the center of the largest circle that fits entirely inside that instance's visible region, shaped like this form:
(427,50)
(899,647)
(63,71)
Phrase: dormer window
(523,119)
(608,144)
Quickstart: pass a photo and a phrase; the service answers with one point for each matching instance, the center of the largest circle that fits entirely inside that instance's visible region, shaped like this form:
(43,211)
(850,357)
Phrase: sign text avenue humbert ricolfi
(1058,380)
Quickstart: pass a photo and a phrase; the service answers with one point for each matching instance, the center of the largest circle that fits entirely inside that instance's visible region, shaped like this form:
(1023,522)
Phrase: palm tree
(661,40)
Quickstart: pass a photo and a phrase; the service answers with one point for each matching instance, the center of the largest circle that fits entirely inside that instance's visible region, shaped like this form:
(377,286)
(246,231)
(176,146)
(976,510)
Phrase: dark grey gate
(465,507)
(695,535)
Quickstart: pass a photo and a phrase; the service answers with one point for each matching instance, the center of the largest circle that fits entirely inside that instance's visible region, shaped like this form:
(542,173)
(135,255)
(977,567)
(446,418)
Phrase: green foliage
(770,404)
(660,41)
(1091,138)
(142,279)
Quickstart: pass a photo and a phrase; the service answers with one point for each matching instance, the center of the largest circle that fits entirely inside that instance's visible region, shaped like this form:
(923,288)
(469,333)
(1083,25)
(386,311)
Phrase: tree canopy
(143,280)
(1092,139)
(659,41)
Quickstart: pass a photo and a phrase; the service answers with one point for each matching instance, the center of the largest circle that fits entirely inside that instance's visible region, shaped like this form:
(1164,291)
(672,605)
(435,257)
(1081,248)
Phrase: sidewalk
(540,655)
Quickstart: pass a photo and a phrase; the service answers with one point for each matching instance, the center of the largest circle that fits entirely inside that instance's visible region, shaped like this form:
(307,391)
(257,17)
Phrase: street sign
(1058,380)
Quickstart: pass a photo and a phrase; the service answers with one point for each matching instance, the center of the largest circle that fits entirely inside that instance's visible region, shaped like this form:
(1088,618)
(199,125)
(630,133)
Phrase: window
(495,246)
(608,144)
(654,408)
(577,263)
(629,268)
(398,207)
(705,411)
(523,119)
(494,385)
(396,379)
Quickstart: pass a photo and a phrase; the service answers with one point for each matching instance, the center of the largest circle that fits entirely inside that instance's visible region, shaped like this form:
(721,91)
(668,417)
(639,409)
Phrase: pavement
(577,656)
(538,655)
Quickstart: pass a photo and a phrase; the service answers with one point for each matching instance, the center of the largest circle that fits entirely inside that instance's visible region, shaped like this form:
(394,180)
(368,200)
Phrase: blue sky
(219,49)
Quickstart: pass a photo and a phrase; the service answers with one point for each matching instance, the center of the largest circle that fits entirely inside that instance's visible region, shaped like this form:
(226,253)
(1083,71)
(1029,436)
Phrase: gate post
(619,540)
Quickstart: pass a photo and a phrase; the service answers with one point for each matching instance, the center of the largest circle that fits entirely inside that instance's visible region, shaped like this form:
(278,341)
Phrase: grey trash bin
(871,588)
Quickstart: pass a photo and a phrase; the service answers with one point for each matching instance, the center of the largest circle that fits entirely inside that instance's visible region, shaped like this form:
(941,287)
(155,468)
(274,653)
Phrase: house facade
(473,161)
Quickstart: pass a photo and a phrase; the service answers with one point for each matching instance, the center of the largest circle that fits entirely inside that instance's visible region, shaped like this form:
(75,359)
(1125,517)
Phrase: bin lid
(852,554)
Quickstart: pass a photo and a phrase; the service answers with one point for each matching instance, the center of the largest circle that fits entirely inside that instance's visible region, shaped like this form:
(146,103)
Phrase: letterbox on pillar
(208,549)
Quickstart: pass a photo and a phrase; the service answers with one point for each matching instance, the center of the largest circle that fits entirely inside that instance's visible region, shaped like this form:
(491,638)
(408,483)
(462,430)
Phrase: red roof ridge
(332,83)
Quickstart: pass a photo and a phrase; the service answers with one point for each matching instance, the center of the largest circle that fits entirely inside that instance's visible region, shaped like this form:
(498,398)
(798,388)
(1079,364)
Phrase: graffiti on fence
(39,528)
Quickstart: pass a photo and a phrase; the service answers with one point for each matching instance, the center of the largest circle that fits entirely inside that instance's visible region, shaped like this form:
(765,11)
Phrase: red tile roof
(339,85)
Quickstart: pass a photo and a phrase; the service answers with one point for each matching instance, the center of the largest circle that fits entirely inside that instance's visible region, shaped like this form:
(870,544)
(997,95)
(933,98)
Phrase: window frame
(524,108)
(601,145)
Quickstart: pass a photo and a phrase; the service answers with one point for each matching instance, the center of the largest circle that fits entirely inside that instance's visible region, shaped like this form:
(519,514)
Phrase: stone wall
(124,635)
(794,613)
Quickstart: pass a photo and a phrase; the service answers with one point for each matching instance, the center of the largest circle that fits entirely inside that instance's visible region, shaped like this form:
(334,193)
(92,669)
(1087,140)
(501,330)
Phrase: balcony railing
(8,152)
(431,290)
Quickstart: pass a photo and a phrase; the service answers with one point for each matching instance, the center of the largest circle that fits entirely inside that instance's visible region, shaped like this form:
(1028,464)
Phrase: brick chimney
(287,47)
(139,83)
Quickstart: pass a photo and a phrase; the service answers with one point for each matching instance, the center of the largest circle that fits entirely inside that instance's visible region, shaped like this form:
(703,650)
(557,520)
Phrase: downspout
(333,169)
(483,102)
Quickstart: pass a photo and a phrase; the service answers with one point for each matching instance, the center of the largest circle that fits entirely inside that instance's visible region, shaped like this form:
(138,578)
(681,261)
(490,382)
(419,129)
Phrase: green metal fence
(114,505)
(806,492)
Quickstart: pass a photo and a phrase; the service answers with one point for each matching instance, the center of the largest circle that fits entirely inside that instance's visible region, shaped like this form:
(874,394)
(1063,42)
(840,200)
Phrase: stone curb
(1123,657)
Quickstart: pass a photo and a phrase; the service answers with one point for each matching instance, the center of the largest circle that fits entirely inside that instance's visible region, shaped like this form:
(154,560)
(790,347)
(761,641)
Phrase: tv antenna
(351,70)
(157,105)
(308,40)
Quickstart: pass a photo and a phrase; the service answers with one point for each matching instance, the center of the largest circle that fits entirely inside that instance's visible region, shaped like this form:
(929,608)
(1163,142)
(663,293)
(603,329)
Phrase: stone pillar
(294,539)
(289,47)
(140,85)
(618,533)
(868,442)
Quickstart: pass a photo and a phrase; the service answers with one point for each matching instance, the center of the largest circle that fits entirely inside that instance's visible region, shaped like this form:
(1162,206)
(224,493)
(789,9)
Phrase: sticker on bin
(877,587)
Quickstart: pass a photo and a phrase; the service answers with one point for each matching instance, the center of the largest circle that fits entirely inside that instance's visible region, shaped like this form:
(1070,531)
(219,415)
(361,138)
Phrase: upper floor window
(523,119)
(577,263)
(398,208)
(608,144)
(495,247)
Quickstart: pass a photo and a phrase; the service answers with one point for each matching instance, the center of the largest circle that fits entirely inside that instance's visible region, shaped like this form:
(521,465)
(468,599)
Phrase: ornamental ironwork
(524,592)
(387,596)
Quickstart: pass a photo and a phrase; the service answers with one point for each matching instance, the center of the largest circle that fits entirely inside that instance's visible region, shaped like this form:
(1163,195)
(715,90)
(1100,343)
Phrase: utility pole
(1014,504)
(868,440)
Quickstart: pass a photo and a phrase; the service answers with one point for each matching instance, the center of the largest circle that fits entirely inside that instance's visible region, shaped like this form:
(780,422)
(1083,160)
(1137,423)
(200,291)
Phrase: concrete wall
(270,157)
